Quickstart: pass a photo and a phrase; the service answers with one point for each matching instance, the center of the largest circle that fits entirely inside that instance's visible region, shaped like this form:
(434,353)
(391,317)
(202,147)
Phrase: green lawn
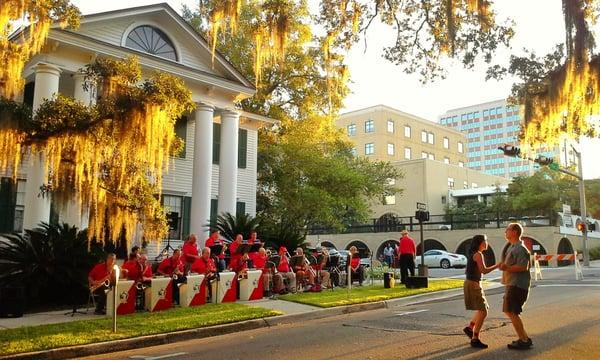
(51,336)
(366,294)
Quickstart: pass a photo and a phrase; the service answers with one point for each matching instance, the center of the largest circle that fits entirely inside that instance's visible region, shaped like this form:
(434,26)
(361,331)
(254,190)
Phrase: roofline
(218,56)
(476,105)
(253,116)
(382,107)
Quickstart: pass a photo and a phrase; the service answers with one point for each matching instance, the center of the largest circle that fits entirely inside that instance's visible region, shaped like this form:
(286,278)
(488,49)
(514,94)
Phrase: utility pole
(514,151)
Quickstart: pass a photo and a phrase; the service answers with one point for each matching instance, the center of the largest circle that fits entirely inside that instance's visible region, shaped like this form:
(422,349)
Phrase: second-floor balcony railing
(446,222)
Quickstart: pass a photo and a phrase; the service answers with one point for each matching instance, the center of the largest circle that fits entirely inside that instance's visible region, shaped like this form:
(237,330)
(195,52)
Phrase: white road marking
(148,357)
(410,312)
(567,285)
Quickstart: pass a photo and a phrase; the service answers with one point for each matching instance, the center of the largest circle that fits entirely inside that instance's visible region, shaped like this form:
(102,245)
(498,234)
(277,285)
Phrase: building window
(424,136)
(369,149)
(444,200)
(465,184)
(181,132)
(431,156)
(460,147)
(173,204)
(446,160)
(352,130)
(390,126)
(407,153)
(451,183)
(391,149)
(406,131)
(474,185)
(423,155)
(369,126)
(461,164)
(151,40)
(430,138)
(390,199)
(446,143)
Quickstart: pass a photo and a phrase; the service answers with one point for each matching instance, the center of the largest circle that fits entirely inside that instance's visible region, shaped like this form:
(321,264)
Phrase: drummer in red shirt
(215,239)
(190,251)
(173,267)
(99,275)
(285,271)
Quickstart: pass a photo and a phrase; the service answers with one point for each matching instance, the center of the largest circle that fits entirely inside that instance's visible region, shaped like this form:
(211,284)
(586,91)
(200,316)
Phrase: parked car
(443,259)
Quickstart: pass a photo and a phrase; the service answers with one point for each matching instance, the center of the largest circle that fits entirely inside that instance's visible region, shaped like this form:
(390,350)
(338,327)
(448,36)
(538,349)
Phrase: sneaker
(467,330)
(476,343)
(520,345)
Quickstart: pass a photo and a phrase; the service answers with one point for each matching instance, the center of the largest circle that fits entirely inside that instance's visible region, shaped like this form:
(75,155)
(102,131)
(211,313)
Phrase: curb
(223,329)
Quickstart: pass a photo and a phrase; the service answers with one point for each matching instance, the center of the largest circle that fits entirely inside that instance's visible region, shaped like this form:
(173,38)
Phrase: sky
(374,80)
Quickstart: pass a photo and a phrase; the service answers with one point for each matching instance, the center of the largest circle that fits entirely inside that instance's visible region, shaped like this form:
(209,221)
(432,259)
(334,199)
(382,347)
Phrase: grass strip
(366,294)
(44,337)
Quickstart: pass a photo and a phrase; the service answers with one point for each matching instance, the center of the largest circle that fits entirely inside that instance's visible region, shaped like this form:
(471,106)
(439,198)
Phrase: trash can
(12,301)
(388,280)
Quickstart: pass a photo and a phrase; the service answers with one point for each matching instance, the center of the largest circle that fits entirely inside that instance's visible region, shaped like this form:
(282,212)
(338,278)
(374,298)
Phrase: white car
(443,259)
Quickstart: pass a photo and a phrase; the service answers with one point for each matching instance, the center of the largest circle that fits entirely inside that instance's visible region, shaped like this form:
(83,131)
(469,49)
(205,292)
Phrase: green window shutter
(216,142)
(8,197)
(181,132)
(242,148)
(28,93)
(240,208)
(54,216)
(187,205)
(214,206)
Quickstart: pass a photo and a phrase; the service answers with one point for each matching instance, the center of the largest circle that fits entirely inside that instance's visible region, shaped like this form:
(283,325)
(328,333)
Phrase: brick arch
(328,244)
(565,247)
(379,253)
(489,255)
(431,244)
(363,248)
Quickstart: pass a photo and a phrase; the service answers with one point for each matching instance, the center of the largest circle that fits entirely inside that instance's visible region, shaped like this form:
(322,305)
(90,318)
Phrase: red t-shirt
(235,258)
(99,272)
(259,261)
(407,246)
(134,270)
(191,249)
(355,262)
(202,266)
(168,266)
(211,242)
(283,266)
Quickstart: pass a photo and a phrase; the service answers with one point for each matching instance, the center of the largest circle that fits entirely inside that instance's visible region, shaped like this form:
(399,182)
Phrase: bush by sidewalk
(44,337)
(366,294)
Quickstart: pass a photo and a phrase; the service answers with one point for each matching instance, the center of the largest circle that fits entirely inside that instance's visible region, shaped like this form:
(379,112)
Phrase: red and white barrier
(537,270)
(193,293)
(159,296)
(252,288)
(126,293)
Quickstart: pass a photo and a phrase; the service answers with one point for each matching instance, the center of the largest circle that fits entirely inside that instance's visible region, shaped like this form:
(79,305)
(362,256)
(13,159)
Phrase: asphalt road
(562,317)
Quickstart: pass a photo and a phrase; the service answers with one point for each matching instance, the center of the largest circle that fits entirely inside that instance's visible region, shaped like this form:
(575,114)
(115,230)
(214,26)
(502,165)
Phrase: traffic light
(544,160)
(591,226)
(581,227)
(422,215)
(510,150)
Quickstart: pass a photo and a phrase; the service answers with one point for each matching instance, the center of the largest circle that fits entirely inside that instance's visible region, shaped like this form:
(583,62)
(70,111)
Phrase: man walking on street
(516,278)
(407,253)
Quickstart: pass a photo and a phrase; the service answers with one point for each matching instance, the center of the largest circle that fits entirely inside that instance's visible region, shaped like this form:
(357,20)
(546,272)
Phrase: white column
(202,172)
(228,162)
(37,208)
(72,214)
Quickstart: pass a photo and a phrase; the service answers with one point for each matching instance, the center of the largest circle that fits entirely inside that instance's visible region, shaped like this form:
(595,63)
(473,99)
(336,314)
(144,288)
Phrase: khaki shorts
(474,297)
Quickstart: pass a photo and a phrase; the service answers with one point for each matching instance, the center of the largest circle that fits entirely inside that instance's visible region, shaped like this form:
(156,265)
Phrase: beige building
(383,133)
(431,182)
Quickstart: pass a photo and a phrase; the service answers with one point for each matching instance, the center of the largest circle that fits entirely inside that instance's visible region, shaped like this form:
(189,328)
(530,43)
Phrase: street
(561,316)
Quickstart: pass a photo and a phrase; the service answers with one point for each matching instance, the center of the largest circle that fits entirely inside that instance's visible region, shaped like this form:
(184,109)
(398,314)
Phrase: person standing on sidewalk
(516,278)
(474,296)
(406,253)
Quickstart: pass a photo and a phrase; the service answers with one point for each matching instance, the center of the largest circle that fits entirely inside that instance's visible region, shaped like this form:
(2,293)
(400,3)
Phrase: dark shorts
(514,299)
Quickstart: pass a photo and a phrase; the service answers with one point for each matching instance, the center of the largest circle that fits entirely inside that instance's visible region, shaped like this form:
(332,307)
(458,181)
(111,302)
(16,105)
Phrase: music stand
(273,261)
(255,247)
(242,249)
(216,250)
(74,299)
(296,260)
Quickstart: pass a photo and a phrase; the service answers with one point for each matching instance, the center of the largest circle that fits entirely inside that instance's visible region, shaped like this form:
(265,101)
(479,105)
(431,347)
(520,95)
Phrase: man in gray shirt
(516,278)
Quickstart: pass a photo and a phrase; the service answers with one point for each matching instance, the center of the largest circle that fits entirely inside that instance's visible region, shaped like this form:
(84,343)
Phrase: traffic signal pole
(514,151)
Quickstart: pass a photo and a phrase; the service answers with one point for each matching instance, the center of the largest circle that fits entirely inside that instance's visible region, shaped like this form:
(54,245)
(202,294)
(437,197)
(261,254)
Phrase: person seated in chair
(173,267)
(100,276)
(139,271)
(286,272)
(323,276)
(358,272)
(215,239)
(205,265)
(234,256)
(304,273)
(272,280)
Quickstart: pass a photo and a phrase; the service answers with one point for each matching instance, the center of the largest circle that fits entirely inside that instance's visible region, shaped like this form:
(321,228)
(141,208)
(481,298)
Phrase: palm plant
(276,235)
(230,225)
(51,262)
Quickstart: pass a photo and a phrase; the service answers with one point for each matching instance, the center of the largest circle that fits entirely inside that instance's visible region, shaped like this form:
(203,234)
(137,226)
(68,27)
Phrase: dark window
(187,204)
(240,208)
(28,94)
(8,195)
(181,132)
(242,148)
(214,208)
(152,41)
(216,142)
